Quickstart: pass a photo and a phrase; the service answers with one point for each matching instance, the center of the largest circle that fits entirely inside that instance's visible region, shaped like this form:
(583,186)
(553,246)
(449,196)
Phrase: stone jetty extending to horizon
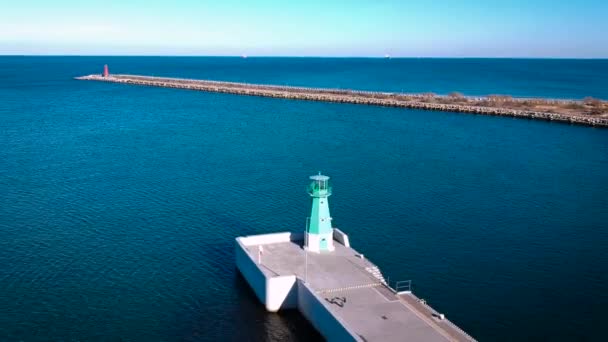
(590,112)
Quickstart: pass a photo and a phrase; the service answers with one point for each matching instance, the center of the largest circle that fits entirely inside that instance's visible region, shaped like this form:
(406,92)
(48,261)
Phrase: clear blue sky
(430,28)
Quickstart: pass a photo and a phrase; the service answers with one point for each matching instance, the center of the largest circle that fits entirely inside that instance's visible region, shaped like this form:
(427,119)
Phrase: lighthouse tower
(106,72)
(319,233)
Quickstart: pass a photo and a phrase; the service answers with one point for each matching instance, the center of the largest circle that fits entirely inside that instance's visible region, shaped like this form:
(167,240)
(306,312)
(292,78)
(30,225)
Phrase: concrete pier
(554,110)
(343,294)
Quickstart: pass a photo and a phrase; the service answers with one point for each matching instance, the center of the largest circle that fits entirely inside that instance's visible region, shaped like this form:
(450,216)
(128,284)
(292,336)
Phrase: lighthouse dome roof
(319,177)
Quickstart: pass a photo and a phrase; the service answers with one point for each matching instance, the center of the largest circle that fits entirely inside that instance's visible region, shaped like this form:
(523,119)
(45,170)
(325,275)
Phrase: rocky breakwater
(574,112)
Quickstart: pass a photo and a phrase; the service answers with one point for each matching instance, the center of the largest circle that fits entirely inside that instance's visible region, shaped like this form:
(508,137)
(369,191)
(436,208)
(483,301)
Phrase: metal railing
(403,286)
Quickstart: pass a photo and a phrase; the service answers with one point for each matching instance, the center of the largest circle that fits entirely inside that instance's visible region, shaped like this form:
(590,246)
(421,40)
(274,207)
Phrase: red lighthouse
(106,72)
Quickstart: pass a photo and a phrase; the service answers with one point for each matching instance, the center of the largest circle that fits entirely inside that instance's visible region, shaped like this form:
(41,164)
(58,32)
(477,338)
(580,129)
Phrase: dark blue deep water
(119,204)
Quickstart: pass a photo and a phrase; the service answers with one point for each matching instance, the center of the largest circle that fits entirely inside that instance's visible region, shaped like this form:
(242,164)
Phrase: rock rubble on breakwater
(412,101)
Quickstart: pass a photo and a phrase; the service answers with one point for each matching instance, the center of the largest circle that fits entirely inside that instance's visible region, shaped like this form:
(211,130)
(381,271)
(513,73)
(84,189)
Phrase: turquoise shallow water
(119,204)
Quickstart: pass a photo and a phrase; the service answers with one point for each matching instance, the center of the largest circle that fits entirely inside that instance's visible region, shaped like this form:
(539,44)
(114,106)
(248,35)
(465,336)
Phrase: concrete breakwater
(412,101)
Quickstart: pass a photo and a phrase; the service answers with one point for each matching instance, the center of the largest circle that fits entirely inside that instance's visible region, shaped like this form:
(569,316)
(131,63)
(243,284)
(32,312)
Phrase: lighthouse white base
(318,243)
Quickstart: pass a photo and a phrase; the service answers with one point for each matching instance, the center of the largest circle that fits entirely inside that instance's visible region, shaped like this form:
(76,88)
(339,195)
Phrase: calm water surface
(119,204)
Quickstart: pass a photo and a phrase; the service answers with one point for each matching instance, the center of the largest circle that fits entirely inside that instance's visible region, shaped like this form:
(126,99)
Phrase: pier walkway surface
(413,101)
(353,290)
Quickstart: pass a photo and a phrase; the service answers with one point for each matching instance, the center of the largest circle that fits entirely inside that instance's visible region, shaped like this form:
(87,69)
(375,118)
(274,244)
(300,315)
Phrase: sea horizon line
(303,57)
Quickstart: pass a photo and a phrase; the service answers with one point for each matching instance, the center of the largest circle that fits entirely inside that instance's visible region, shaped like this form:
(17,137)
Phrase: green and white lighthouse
(319,233)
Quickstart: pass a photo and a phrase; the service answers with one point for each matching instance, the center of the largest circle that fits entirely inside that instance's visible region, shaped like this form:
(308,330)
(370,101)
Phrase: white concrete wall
(250,271)
(281,293)
(312,306)
(341,237)
(264,239)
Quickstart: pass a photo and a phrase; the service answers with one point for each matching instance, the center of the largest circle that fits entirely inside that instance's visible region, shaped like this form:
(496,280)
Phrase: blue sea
(119,204)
